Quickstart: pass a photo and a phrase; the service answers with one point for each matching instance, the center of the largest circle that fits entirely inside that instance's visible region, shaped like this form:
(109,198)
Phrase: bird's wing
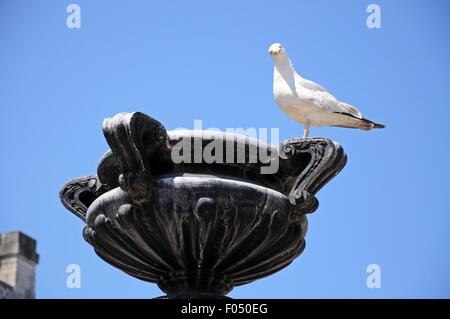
(311,85)
(351,110)
(324,99)
(328,102)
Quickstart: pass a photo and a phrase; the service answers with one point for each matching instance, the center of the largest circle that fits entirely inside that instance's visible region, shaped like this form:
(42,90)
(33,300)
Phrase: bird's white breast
(290,102)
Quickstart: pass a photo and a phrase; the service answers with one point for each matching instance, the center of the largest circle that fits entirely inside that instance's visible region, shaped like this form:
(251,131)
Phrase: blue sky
(184,60)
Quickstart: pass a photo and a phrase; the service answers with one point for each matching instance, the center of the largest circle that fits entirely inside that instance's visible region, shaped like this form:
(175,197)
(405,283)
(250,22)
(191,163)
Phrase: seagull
(308,103)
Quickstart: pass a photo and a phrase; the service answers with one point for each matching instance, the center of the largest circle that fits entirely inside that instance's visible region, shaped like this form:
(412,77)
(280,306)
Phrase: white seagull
(306,102)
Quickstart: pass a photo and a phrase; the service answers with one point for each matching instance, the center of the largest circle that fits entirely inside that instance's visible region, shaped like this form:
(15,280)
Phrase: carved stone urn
(198,227)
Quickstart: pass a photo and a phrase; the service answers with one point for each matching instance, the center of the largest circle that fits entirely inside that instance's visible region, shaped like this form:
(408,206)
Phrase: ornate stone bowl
(198,225)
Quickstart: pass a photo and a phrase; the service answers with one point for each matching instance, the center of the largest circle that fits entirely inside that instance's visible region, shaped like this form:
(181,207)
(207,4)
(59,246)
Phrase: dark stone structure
(199,228)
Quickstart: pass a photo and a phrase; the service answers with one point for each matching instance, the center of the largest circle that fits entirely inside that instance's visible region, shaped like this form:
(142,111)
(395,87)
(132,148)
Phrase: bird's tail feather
(363,124)
(374,124)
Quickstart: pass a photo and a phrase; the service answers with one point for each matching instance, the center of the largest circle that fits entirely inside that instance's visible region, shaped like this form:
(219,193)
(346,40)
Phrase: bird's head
(276,50)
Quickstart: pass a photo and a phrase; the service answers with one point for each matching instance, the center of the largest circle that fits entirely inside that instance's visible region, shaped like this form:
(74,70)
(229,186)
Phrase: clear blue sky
(183,60)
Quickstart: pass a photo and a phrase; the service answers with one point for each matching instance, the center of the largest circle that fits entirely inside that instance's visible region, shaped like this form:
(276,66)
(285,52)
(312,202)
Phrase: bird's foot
(306,133)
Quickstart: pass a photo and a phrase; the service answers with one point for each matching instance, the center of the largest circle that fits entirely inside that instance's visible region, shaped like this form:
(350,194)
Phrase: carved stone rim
(325,160)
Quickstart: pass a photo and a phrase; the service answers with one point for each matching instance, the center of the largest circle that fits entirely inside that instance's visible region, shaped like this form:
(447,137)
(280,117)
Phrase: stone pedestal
(198,227)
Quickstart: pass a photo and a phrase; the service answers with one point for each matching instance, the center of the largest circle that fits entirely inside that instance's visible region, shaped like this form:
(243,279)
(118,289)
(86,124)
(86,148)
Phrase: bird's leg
(306,132)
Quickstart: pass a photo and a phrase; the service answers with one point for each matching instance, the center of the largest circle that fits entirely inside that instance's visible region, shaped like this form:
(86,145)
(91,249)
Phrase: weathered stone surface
(18,259)
(200,228)
(6,291)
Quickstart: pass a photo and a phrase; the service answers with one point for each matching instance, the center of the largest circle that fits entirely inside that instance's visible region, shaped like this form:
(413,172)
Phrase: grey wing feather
(328,100)
(351,110)
(312,85)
